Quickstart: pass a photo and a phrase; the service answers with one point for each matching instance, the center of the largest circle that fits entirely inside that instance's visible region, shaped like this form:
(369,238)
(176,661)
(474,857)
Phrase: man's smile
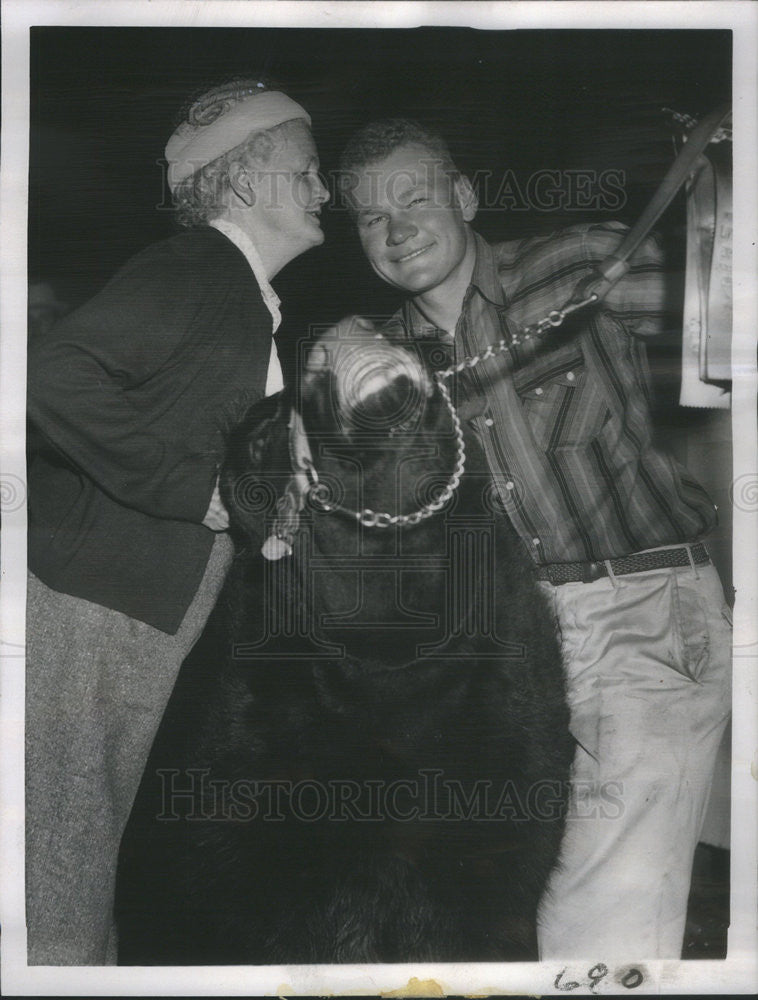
(412,254)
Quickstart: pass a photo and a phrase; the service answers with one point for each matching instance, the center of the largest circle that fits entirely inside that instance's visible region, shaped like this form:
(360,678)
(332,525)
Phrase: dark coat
(132,394)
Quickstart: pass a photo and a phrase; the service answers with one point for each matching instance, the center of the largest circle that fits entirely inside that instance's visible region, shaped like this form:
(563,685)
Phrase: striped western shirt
(565,421)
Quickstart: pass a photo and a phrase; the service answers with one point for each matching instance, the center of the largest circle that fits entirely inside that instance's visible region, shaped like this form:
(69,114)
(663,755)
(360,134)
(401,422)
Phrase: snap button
(489,421)
(570,376)
(538,392)
(509,486)
(535,541)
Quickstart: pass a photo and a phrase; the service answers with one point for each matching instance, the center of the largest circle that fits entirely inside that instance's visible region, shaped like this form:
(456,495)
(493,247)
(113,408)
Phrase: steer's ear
(257,465)
(248,443)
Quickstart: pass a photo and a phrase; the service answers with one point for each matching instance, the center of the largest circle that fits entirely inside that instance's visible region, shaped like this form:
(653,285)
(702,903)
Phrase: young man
(612,524)
(131,395)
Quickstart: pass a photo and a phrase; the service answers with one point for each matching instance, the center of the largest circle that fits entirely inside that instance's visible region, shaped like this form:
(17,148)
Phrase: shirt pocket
(563,409)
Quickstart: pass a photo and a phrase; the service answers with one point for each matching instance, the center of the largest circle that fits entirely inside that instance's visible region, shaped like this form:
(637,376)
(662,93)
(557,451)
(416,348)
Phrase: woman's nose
(322,191)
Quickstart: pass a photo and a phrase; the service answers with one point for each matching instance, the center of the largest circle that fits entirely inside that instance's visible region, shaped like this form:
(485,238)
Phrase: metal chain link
(372,519)
(553,319)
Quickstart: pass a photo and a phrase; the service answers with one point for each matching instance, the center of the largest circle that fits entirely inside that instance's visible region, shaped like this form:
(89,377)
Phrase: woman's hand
(217,516)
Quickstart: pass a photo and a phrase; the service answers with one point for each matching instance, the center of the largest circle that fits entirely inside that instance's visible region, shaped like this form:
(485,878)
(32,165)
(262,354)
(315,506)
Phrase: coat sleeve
(79,381)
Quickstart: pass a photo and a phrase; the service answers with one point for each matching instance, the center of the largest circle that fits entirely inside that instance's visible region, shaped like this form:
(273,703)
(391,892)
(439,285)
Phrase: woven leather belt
(638,562)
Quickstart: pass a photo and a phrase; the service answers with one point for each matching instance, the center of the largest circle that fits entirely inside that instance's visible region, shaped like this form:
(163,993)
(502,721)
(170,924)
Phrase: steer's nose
(381,385)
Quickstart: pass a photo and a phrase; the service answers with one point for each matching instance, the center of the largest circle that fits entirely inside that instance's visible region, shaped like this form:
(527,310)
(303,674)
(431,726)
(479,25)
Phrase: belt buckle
(593,571)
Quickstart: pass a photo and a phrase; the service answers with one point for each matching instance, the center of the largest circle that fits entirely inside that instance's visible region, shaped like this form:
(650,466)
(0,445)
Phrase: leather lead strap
(614,267)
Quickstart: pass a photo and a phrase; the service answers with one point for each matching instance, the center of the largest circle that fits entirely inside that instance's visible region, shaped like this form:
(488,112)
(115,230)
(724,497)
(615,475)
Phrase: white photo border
(738,973)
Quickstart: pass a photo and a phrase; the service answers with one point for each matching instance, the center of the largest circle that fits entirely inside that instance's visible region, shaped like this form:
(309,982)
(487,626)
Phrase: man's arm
(541,274)
(649,296)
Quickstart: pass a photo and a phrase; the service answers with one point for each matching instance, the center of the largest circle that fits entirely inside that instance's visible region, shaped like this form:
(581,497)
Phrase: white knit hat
(193,146)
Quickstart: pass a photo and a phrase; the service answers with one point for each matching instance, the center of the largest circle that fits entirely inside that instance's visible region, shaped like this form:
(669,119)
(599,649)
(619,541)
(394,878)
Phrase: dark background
(104,102)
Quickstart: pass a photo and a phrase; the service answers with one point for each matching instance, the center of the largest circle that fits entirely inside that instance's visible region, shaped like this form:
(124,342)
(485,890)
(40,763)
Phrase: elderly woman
(131,395)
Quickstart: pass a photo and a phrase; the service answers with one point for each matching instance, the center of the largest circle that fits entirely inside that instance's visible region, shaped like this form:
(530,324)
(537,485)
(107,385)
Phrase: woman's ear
(467,199)
(242,183)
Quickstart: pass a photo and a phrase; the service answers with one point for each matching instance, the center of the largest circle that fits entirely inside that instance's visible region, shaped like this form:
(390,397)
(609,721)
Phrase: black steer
(380,773)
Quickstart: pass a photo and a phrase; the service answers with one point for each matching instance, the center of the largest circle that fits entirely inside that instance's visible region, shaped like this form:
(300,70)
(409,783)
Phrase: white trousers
(648,660)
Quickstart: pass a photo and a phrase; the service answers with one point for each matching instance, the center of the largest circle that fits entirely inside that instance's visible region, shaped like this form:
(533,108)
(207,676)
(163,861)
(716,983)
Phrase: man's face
(411,218)
(289,192)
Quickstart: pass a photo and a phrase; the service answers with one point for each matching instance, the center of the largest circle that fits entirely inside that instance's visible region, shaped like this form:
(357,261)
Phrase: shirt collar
(246,246)
(485,276)
(484,279)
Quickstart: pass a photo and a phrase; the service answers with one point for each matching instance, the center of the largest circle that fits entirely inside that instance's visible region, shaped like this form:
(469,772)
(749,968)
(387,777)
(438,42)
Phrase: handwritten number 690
(631,979)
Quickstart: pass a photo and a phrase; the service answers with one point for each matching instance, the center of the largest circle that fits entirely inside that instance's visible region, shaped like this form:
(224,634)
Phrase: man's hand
(216,517)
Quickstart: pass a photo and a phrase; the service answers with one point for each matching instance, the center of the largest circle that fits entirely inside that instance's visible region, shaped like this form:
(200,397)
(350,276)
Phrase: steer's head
(359,383)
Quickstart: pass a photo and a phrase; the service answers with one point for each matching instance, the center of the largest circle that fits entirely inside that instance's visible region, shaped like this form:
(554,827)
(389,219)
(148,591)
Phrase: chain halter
(372,519)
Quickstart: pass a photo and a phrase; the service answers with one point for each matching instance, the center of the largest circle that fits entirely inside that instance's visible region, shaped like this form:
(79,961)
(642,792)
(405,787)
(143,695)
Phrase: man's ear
(242,183)
(467,199)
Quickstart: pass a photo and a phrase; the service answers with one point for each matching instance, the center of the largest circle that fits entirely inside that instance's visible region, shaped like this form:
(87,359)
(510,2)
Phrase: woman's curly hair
(204,195)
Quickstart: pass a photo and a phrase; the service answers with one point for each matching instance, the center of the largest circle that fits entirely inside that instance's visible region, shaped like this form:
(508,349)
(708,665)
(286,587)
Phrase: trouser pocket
(691,632)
